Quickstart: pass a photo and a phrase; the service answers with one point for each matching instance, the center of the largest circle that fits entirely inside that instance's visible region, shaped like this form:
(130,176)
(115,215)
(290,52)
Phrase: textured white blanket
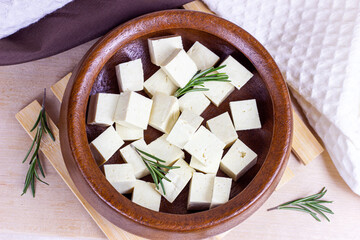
(17,14)
(316,44)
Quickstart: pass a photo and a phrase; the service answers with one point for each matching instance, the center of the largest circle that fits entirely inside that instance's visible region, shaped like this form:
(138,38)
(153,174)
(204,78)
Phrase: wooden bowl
(272,143)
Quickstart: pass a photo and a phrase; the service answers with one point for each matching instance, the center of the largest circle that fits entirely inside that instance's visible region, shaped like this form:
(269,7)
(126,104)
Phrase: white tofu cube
(133,110)
(203,145)
(202,56)
(105,145)
(145,195)
(159,82)
(121,177)
(212,164)
(221,191)
(170,192)
(200,193)
(131,156)
(164,113)
(245,114)
(239,159)
(102,108)
(184,171)
(223,128)
(179,67)
(194,101)
(165,151)
(218,91)
(237,73)
(129,133)
(179,178)
(161,47)
(130,75)
(184,128)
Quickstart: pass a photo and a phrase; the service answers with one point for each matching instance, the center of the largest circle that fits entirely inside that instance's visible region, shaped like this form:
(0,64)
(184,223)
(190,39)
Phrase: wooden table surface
(55,213)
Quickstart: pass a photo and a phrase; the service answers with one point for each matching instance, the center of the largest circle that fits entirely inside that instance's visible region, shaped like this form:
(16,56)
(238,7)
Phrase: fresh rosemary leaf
(37,122)
(318,211)
(155,168)
(196,83)
(31,175)
(311,205)
(149,155)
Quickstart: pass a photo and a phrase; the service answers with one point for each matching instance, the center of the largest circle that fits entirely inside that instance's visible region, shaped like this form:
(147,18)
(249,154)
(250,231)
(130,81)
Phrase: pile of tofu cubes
(181,123)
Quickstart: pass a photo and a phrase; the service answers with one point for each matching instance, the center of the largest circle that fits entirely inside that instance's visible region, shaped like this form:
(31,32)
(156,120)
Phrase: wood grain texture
(197,6)
(59,87)
(286,177)
(305,146)
(52,151)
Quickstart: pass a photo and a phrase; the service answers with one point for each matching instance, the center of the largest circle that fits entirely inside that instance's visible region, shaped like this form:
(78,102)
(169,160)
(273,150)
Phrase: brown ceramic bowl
(272,142)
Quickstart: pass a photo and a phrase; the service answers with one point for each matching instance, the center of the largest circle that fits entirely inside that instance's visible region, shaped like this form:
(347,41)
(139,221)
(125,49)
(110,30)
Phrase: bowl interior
(258,140)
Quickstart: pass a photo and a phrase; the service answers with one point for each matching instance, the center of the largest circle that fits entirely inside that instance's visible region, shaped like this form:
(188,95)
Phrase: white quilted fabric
(17,14)
(316,44)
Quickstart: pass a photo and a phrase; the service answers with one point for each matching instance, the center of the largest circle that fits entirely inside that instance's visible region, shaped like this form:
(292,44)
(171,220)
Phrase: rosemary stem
(41,127)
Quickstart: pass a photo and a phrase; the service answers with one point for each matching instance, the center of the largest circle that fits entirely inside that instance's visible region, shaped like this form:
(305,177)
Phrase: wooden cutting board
(303,139)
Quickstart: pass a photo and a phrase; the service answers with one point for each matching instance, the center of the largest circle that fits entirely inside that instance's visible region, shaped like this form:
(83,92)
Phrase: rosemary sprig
(196,83)
(42,126)
(155,168)
(311,205)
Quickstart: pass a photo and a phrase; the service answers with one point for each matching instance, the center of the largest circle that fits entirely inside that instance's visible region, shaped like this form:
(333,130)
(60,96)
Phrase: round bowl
(272,143)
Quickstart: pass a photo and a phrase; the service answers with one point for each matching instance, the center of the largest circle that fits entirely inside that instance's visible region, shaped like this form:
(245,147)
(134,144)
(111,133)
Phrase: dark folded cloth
(76,23)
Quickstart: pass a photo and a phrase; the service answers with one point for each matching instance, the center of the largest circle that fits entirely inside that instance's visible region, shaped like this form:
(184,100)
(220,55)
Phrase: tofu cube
(221,191)
(245,115)
(202,56)
(102,108)
(105,145)
(164,113)
(201,190)
(212,164)
(170,192)
(204,145)
(223,128)
(131,156)
(133,110)
(144,194)
(218,91)
(130,75)
(179,67)
(179,178)
(161,47)
(129,133)
(194,101)
(239,159)
(184,128)
(184,171)
(237,73)
(165,151)
(121,177)
(159,82)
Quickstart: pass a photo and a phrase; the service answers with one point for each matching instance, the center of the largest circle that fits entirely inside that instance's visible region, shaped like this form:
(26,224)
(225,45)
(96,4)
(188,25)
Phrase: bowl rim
(117,208)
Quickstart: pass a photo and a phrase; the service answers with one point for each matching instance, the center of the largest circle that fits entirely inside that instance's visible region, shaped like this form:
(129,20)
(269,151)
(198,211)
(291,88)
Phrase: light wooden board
(52,151)
(197,6)
(287,176)
(59,88)
(305,146)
